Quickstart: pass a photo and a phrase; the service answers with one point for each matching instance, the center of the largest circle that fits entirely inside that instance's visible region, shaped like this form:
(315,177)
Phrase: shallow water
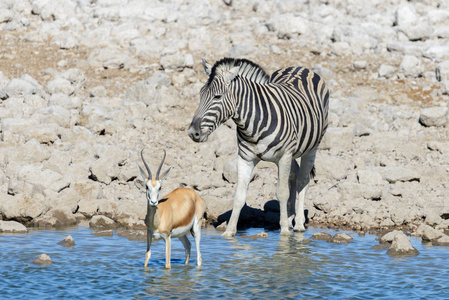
(242,268)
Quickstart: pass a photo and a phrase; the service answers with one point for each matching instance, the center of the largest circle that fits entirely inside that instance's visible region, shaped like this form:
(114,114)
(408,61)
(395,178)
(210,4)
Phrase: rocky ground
(85,85)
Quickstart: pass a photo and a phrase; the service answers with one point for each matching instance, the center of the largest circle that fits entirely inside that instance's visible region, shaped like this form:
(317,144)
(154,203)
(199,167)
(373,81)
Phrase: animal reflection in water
(172,216)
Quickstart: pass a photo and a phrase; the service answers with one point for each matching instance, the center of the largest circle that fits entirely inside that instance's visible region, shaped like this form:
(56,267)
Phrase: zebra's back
(307,94)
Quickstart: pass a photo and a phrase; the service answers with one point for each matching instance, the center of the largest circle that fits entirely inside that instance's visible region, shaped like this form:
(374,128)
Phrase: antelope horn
(146,166)
(160,166)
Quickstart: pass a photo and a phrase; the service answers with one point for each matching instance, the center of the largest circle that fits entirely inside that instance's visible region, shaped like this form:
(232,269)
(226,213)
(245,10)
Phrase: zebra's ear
(207,67)
(231,74)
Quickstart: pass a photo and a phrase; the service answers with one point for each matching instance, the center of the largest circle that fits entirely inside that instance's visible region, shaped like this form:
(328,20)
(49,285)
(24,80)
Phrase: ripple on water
(241,268)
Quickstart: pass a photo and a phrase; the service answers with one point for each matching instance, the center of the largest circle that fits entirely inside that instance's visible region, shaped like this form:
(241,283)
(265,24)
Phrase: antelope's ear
(207,67)
(144,178)
(165,173)
(231,74)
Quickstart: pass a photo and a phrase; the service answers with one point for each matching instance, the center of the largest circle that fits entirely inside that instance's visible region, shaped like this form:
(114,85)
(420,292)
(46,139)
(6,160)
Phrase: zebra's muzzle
(195,132)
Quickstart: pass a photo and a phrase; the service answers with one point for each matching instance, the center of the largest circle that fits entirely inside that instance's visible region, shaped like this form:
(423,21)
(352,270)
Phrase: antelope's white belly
(181,231)
(176,232)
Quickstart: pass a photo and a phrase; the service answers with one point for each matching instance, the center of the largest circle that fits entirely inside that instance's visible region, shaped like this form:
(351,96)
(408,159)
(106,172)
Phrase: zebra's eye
(216,97)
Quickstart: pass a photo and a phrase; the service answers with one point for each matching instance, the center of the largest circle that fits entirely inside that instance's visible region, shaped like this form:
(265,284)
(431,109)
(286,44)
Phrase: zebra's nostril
(197,134)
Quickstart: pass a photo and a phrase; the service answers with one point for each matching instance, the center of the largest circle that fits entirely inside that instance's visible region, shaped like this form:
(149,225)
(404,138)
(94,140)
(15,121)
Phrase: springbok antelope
(173,216)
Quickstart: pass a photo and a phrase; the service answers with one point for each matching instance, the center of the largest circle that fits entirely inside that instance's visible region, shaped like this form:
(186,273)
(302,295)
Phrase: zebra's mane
(248,69)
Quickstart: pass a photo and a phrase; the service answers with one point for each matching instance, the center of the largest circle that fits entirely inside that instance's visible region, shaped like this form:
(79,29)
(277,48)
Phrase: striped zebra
(279,118)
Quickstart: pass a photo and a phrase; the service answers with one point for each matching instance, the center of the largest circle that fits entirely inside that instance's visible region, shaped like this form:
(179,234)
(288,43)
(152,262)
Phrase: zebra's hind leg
(302,184)
(291,204)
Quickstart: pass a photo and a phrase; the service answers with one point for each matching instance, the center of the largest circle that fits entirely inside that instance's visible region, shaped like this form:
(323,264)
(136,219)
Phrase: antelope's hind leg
(196,232)
(186,243)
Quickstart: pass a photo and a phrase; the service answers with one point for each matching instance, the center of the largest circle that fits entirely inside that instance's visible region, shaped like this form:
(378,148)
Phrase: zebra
(279,118)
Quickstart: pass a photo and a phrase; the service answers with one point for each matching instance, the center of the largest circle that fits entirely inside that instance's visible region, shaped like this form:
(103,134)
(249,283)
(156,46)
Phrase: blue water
(243,268)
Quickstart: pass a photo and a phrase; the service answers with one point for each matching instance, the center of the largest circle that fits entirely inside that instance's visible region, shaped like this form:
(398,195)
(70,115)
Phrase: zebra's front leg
(283,191)
(244,171)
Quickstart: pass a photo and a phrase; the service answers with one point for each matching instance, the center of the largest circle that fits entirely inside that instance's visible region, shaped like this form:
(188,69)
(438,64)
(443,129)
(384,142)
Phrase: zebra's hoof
(299,229)
(228,234)
(285,232)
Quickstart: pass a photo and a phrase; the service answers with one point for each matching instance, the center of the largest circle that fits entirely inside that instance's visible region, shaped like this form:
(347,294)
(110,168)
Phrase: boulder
(401,246)
(12,227)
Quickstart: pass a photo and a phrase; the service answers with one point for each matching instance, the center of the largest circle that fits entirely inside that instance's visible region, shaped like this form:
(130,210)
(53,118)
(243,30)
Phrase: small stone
(341,238)
(256,236)
(395,174)
(389,237)
(386,71)
(379,247)
(360,64)
(433,116)
(321,236)
(103,233)
(68,241)
(43,259)
(98,221)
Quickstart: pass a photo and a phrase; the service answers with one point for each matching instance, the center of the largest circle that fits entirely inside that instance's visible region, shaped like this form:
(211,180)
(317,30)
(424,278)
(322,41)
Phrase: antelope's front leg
(244,171)
(149,240)
(167,252)
(283,191)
